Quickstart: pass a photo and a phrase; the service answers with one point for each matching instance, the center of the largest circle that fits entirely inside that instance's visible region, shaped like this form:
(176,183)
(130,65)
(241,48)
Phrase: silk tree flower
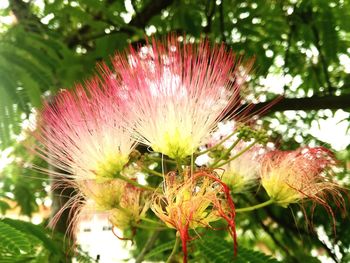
(192,202)
(104,195)
(177,92)
(133,205)
(292,176)
(242,173)
(81,133)
(90,198)
(124,203)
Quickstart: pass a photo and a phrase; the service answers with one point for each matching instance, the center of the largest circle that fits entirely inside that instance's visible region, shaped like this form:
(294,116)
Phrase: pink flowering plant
(141,143)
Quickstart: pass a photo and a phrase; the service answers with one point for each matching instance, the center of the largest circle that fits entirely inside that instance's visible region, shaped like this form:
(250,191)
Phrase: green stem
(149,227)
(192,165)
(161,159)
(151,221)
(179,165)
(233,145)
(224,154)
(148,246)
(217,145)
(152,171)
(254,207)
(134,183)
(234,157)
(175,248)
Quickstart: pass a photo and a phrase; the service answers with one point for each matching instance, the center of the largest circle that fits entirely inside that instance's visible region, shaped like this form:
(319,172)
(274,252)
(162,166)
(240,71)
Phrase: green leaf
(214,249)
(16,258)
(160,249)
(13,242)
(38,232)
(22,241)
(4,206)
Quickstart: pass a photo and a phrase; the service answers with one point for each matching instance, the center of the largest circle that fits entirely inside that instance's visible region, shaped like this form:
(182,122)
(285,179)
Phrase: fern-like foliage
(159,250)
(22,241)
(214,249)
(30,64)
(14,245)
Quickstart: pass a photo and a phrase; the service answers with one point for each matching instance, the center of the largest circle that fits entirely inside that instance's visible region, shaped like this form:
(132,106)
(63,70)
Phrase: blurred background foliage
(301,50)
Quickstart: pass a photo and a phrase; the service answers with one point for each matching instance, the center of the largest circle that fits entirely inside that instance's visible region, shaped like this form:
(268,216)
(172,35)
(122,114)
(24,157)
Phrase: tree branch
(291,31)
(307,17)
(306,104)
(323,61)
(142,18)
(209,12)
(22,11)
(222,21)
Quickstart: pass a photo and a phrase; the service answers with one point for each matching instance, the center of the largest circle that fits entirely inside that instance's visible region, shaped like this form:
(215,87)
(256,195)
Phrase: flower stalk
(175,248)
(218,164)
(210,149)
(254,207)
(134,183)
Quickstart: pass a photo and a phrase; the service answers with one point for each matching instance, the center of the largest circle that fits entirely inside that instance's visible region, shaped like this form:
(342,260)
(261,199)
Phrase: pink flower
(291,176)
(242,173)
(81,132)
(177,92)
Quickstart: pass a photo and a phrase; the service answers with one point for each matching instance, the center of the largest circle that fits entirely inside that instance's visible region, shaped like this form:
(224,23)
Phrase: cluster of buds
(246,133)
(170,97)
